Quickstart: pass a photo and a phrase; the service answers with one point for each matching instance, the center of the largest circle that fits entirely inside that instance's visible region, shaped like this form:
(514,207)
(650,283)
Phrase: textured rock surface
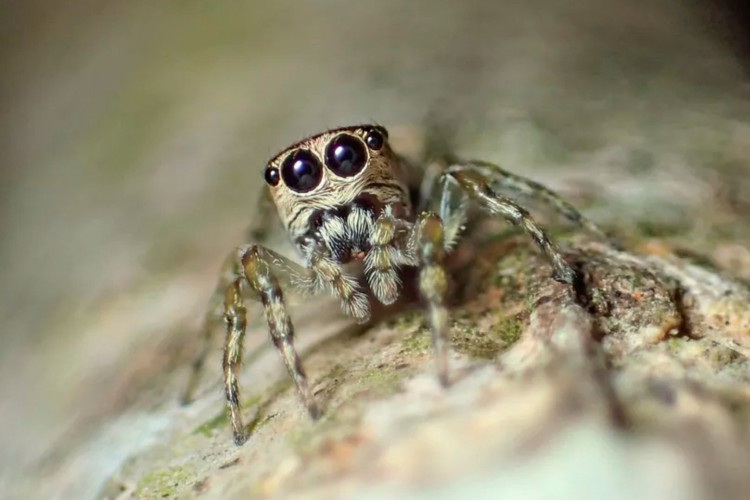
(134,137)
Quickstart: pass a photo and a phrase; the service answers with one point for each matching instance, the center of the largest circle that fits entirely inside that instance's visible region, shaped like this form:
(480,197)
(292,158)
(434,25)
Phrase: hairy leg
(259,273)
(258,268)
(477,187)
(428,241)
(384,258)
(212,318)
(422,244)
(453,211)
(235,319)
(328,274)
(291,275)
(527,187)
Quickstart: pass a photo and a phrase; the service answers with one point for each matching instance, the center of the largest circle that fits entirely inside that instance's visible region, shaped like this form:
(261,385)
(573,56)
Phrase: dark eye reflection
(301,171)
(346,155)
(272,176)
(375,139)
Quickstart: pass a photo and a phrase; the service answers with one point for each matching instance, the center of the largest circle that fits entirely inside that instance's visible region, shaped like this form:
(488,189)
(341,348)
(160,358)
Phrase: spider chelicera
(359,216)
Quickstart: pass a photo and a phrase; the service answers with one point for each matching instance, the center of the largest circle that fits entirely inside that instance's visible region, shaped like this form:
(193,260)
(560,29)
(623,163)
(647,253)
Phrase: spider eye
(272,176)
(301,171)
(346,155)
(374,139)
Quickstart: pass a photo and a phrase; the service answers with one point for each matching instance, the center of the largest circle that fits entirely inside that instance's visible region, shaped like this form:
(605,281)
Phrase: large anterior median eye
(301,171)
(346,155)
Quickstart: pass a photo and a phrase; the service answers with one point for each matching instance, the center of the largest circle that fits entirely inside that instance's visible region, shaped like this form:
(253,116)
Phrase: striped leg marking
(517,184)
(477,188)
(385,258)
(256,272)
(428,239)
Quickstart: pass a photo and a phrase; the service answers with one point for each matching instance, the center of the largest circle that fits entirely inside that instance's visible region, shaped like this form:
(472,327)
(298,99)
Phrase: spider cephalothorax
(329,191)
(347,201)
(338,170)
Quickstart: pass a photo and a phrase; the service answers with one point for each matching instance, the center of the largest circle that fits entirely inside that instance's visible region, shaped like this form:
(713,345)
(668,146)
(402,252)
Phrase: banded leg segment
(257,273)
(235,316)
(322,273)
(477,187)
(264,282)
(289,272)
(214,315)
(328,274)
(527,187)
(260,273)
(428,239)
(384,258)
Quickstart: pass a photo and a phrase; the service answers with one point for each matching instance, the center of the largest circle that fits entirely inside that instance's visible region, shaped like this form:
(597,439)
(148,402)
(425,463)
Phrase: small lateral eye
(346,155)
(301,171)
(374,139)
(272,176)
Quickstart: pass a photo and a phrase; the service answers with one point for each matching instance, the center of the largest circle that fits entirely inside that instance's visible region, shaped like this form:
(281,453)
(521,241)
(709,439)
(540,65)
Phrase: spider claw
(567,275)
(240,439)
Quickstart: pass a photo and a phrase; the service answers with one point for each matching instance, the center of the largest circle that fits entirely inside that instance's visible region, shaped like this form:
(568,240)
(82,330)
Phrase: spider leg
(428,241)
(259,269)
(517,184)
(292,275)
(212,318)
(384,258)
(476,186)
(329,274)
(453,211)
(258,231)
(424,245)
(235,318)
(259,273)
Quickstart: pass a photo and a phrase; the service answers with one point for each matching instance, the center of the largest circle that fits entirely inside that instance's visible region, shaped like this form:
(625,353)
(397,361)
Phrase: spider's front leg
(384,258)
(259,273)
(396,242)
(477,187)
(427,240)
(258,232)
(258,268)
(329,274)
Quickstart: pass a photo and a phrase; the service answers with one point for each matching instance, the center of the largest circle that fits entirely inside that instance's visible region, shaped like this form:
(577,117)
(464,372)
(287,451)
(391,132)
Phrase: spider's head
(346,174)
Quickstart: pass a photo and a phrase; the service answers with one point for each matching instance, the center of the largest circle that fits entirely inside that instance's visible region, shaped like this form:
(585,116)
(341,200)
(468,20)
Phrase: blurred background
(134,134)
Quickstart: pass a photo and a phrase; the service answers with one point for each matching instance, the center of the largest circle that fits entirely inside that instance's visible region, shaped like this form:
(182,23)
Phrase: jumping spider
(358,217)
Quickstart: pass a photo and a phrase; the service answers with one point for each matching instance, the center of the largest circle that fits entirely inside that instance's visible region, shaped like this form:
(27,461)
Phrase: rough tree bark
(137,133)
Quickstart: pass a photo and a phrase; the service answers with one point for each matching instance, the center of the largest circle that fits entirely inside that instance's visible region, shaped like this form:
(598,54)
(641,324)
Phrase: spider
(359,216)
